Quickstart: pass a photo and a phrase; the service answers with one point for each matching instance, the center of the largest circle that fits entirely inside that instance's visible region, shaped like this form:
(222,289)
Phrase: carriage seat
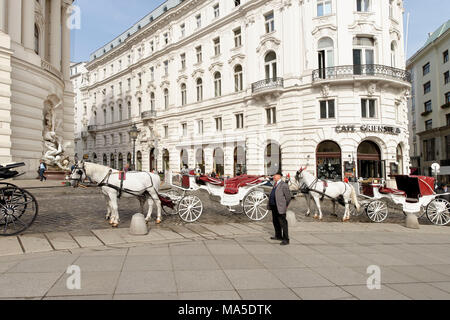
(214,181)
(396,192)
(232,185)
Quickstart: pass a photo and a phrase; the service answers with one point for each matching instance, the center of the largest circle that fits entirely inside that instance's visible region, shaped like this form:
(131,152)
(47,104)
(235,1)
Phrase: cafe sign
(365,128)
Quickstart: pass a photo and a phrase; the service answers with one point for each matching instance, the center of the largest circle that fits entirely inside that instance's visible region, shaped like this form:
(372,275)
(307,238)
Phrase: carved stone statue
(54,146)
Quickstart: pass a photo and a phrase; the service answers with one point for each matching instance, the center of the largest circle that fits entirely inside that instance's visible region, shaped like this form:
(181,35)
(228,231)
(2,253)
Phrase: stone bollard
(290,217)
(411,221)
(138,226)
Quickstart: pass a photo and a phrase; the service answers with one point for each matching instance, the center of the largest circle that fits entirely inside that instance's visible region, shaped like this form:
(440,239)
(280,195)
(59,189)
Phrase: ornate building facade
(36,98)
(254,86)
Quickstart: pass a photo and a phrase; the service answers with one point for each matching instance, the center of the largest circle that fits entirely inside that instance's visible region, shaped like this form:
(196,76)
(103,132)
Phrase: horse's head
(78,174)
(299,174)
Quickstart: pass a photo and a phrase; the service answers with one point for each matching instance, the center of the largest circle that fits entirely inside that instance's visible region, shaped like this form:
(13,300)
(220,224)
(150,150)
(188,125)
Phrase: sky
(103,20)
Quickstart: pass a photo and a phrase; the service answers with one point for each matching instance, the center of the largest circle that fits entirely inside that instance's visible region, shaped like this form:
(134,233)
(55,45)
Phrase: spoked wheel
(18,210)
(438,212)
(354,212)
(174,196)
(190,208)
(255,205)
(377,211)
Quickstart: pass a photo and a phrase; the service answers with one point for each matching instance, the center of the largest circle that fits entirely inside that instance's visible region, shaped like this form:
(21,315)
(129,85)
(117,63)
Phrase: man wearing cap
(278,203)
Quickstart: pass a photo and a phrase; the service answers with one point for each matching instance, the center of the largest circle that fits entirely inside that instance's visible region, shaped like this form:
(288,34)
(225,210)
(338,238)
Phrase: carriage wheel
(18,210)
(354,212)
(438,212)
(377,211)
(175,196)
(255,205)
(190,208)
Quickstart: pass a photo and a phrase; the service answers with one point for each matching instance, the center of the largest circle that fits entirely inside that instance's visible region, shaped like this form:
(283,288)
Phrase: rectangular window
(429,149)
(152,47)
(426,68)
(327,110)
(237,3)
(323,7)
(166,68)
(216,11)
(182,30)
(199,54)
(427,87)
(200,126)
(269,22)
(198,18)
(445,56)
(166,38)
(368,108)
(429,124)
(166,132)
(240,121)
(183,60)
(152,74)
(362,5)
(237,37)
(271,114)
(129,83)
(447,97)
(184,129)
(218,124)
(216,42)
(428,106)
(447,122)
(446,77)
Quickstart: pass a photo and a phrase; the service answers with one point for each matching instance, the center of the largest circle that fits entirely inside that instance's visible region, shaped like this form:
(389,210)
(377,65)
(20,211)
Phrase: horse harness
(311,187)
(120,189)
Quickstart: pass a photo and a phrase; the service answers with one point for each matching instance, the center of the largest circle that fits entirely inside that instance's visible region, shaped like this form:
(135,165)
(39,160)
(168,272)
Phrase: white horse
(143,185)
(317,189)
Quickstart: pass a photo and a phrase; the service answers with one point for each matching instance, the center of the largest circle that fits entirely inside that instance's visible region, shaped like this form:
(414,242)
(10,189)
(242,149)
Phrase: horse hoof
(316,217)
(158,221)
(115,225)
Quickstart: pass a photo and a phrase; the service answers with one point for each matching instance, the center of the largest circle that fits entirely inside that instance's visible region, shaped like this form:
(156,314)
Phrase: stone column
(65,45)
(55,33)
(15,20)
(3,15)
(28,24)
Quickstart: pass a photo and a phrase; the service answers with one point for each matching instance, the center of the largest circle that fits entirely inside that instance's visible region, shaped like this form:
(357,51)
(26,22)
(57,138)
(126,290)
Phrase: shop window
(272,159)
(370,164)
(329,161)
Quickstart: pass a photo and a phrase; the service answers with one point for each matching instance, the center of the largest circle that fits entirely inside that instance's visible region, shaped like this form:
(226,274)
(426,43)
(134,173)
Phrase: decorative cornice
(197,73)
(328,26)
(359,23)
(266,41)
(237,57)
(216,66)
(182,78)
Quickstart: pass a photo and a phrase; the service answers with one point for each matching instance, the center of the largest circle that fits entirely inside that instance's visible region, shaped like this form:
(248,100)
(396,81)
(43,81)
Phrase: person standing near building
(42,169)
(279,200)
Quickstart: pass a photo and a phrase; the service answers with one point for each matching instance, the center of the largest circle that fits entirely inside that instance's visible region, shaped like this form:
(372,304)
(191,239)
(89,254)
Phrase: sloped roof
(434,36)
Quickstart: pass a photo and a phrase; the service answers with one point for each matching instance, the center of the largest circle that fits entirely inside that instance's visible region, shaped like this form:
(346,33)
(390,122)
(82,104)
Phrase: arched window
(166,99)
(120,165)
(219,161)
(184,159)
(94,157)
(270,65)
(36,39)
(369,161)
(399,160)
(363,55)
(105,160)
(329,161)
(152,101)
(325,52)
(95,117)
(183,94)
(120,112)
(140,105)
(139,161)
(393,54)
(129,159)
(239,161)
(217,84)
(112,163)
(104,116)
(238,78)
(166,160)
(152,159)
(199,89)
(200,160)
(272,157)
(112,114)
(129,109)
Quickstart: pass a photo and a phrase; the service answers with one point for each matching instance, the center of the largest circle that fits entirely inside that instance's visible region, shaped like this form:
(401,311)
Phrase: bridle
(81,172)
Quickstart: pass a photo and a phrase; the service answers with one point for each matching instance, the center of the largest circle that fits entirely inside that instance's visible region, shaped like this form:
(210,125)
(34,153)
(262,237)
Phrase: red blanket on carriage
(232,185)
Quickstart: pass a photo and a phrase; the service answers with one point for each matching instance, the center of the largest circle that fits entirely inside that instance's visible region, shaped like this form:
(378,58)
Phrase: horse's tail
(355,198)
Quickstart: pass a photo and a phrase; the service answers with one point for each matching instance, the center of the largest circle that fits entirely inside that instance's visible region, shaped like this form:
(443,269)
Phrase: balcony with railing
(268,85)
(92,128)
(352,72)
(148,115)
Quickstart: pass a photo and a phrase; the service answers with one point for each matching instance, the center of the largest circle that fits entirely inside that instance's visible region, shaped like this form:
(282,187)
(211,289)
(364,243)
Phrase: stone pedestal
(138,227)
(56,175)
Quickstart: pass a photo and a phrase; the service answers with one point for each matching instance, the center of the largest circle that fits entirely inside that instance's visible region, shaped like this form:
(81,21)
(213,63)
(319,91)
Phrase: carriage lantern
(134,132)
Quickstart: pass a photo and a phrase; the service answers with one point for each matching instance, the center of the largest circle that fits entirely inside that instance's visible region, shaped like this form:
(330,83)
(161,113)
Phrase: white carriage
(415,194)
(244,191)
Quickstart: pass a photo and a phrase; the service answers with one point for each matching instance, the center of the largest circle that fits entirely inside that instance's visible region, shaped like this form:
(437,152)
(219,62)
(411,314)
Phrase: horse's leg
(114,209)
(108,208)
(308,203)
(155,199)
(142,203)
(334,209)
(150,209)
(317,201)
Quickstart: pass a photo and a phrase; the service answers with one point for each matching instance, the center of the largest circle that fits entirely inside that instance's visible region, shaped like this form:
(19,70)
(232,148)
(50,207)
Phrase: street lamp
(134,132)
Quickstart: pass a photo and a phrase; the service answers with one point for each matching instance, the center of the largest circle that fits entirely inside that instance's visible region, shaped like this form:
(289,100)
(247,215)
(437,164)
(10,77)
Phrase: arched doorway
(105,160)
(218,164)
(112,162)
(200,160)
(272,159)
(370,164)
(120,164)
(152,160)
(129,160)
(329,161)
(400,159)
(94,156)
(139,161)
(240,161)
(166,160)
(184,159)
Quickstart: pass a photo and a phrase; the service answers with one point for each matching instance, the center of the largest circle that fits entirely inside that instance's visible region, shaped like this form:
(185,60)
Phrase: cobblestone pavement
(67,209)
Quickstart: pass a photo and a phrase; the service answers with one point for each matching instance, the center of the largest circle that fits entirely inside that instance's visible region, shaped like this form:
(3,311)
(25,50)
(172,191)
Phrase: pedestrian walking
(279,200)
(42,169)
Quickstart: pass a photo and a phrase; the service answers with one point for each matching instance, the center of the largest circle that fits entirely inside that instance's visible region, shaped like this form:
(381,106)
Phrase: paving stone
(197,249)
(24,285)
(253,279)
(10,246)
(322,293)
(384,293)
(56,264)
(210,295)
(316,260)
(146,282)
(100,263)
(61,240)
(150,250)
(421,273)
(147,296)
(201,230)
(388,275)
(268,294)
(202,280)
(147,263)
(35,243)
(350,260)
(262,248)
(82,298)
(445,286)
(383,259)
(167,234)
(301,277)
(219,229)
(7,265)
(275,261)
(240,261)
(341,275)
(88,241)
(441,268)
(194,263)
(306,238)
(230,248)
(243,228)
(92,283)
(420,291)
(185,232)
(109,236)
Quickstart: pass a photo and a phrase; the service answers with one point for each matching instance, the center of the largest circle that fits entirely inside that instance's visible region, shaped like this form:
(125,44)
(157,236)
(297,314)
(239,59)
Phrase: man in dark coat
(279,200)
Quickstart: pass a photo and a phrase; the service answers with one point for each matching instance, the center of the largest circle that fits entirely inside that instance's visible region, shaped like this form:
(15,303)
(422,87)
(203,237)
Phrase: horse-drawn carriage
(18,207)
(244,191)
(415,194)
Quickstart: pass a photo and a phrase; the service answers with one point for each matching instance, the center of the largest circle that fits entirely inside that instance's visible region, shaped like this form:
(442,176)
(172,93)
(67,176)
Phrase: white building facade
(34,77)
(255,86)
